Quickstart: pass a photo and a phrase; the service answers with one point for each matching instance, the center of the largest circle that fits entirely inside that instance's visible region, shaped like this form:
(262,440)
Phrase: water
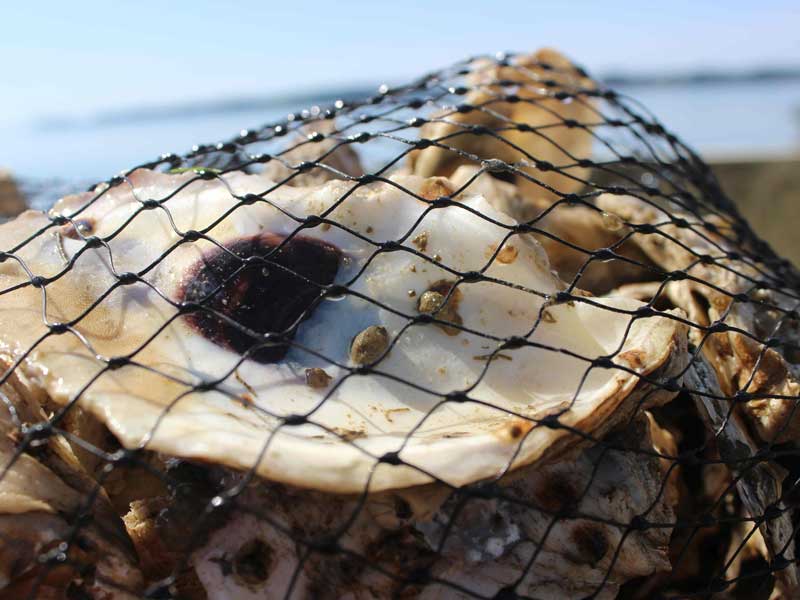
(724,119)
(97,152)
(744,119)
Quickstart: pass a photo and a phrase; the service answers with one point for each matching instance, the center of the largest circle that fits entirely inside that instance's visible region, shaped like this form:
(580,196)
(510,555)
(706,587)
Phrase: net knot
(471,276)
(603,362)
(441,202)
(150,204)
(605,254)
(294,420)
(38,431)
(551,422)
(191,235)
(312,221)
(677,276)
(117,362)
(325,545)
(361,137)
(718,327)
(391,458)
(58,328)
(458,397)
(515,342)
(127,278)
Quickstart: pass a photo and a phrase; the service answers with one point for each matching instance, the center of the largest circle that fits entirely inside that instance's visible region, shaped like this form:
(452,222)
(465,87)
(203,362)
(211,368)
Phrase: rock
(11,201)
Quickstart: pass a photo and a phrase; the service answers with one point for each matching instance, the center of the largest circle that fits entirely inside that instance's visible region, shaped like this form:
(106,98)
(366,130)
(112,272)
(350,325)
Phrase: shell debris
(390,412)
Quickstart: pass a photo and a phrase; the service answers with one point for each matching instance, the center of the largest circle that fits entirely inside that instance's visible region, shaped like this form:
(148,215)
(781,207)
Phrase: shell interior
(368,349)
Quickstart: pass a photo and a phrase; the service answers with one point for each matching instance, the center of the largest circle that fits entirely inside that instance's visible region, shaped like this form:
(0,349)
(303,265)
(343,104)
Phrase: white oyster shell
(398,409)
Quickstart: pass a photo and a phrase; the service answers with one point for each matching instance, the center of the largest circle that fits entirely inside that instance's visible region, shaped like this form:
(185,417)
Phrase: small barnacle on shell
(317,378)
(421,241)
(369,345)
(430,302)
(442,300)
(435,187)
(507,254)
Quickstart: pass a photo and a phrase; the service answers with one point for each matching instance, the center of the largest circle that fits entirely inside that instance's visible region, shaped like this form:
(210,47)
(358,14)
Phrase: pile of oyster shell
(463,378)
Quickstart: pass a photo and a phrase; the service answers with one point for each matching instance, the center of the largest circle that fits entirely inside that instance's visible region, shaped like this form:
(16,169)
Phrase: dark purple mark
(265,296)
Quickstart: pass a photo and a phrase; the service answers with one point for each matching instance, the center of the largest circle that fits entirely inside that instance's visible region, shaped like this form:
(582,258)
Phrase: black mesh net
(494,334)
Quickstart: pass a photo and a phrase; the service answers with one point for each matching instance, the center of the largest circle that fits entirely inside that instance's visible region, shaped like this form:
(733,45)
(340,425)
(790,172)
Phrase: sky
(78,58)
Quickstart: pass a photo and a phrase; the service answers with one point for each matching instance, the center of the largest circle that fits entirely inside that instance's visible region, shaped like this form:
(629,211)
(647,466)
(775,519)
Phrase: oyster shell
(313,157)
(557,130)
(723,288)
(589,555)
(208,384)
(280,542)
(758,482)
(57,528)
(571,235)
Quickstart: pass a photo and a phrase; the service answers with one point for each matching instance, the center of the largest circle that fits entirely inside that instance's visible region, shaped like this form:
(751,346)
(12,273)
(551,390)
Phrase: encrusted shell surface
(46,500)
(718,280)
(479,544)
(722,292)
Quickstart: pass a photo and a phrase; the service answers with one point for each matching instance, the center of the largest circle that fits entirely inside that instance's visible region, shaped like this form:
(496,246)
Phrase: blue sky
(75,58)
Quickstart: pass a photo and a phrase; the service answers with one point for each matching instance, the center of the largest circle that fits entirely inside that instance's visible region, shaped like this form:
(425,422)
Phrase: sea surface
(719,120)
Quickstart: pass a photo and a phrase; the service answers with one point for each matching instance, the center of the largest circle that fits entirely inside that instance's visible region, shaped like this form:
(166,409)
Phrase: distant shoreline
(186,110)
(704,77)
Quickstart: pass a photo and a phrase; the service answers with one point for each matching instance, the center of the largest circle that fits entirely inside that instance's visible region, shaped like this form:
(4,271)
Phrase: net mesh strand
(682,485)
